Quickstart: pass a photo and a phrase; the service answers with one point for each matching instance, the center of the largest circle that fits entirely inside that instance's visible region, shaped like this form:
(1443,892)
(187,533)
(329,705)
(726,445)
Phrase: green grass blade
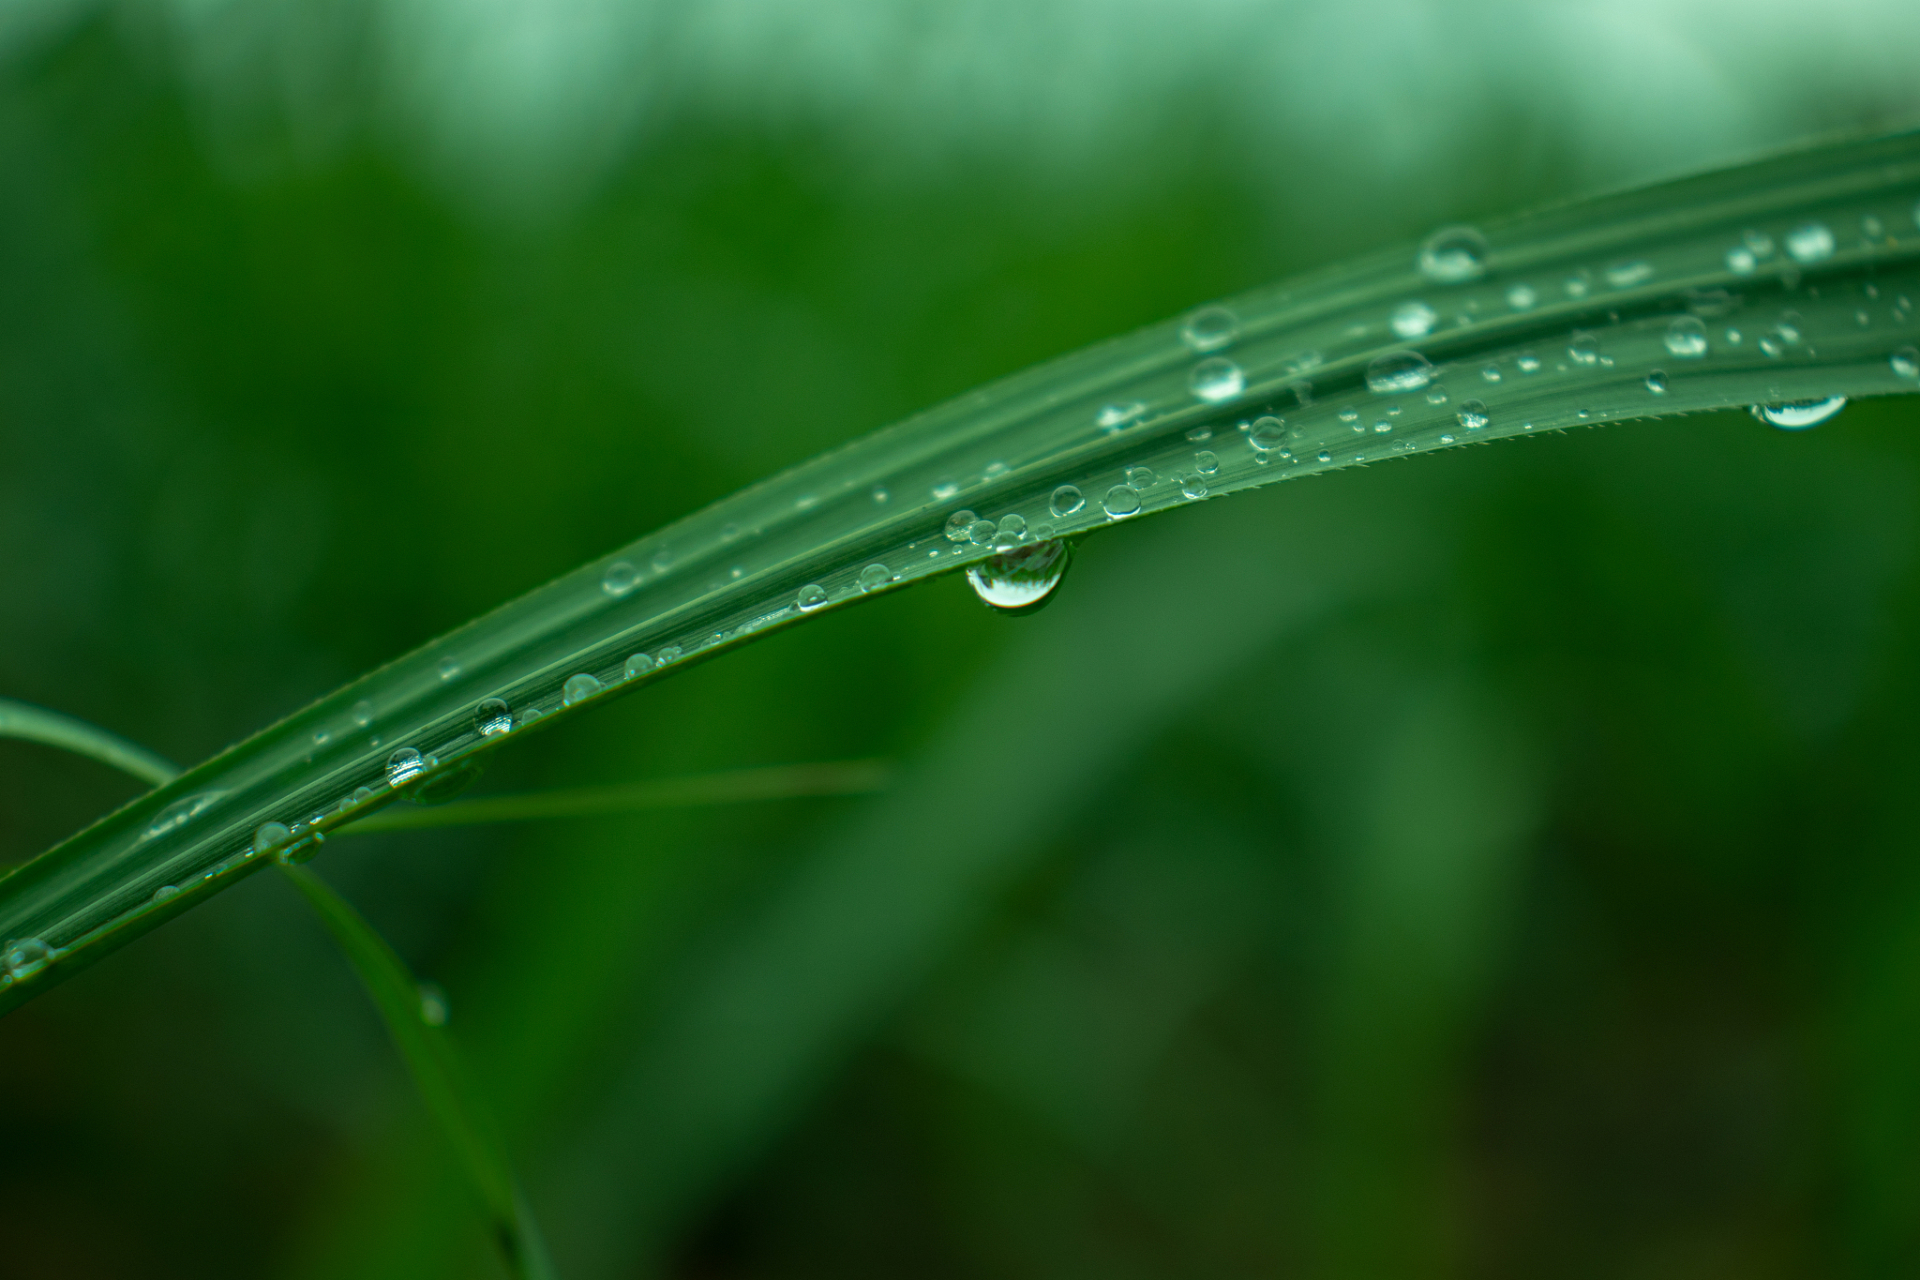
(734,786)
(1794,278)
(436,1072)
(36,724)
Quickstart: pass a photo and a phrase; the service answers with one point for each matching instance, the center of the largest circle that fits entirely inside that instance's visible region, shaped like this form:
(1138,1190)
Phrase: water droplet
(1687,337)
(619,578)
(166,893)
(1413,319)
(663,558)
(1216,379)
(1657,382)
(1437,396)
(944,490)
(1810,242)
(1193,487)
(1905,362)
(958,524)
(1584,348)
(1121,501)
(1207,461)
(1527,362)
(1398,371)
(1577,284)
(1209,329)
(1020,580)
(1625,275)
(493,717)
(1382,427)
(813,595)
(1473,414)
(1522,297)
(321,737)
(1142,477)
(980,532)
(362,713)
(181,812)
(269,836)
(1452,255)
(638,664)
(1115,416)
(1066,500)
(668,653)
(1266,434)
(1324,456)
(448,668)
(873,577)
(1798,415)
(1771,346)
(24,958)
(880,495)
(403,766)
(1199,433)
(1349,415)
(579,687)
(434,1009)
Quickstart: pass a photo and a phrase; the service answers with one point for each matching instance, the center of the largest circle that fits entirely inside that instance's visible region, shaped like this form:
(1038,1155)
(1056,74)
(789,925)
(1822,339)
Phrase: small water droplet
(1266,434)
(958,524)
(1657,382)
(1625,275)
(1022,579)
(1121,501)
(362,713)
(619,578)
(1473,414)
(813,595)
(1527,362)
(1584,348)
(493,717)
(579,687)
(321,737)
(944,490)
(668,653)
(24,957)
(1324,456)
(1771,346)
(1207,461)
(1453,255)
(1216,379)
(434,1008)
(403,766)
(448,668)
(1115,416)
(1810,242)
(638,664)
(269,836)
(1905,362)
(1209,329)
(1066,500)
(874,577)
(1142,477)
(1522,297)
(1687,337)
(880,495)
(663,558)
(980,532)
(1193,487)
(1437,396)
(1199,433)
(1349,415)
(181,812)
(166,893)
(1397,372)
(1413,319)
(1577,284)
(1798,415)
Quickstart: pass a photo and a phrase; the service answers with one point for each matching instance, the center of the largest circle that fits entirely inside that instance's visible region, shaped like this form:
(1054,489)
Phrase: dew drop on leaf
(434,1007)
(1066,500)
(1121,501)
(1798,415)
(1022,579)
(619,578)
(1473,414)
(1397,372)
(269,836)
(638,664)
(1413,319)
(1453,255)
(874,577)
(1657,382)
(24,958)
(1209,329)
(493,717)
(1687,337)
(1810,242)
(1207,461)
(362,713)
(1217,379)
(1905,362)
(403,766)
(813,595)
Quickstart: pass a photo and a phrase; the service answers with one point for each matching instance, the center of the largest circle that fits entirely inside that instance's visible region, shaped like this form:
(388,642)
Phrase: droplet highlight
(492,717)
(1413,320)
(1686,337)
(1217,379)
(1398,372)
(1810,242)
(403,766)
(1799,415)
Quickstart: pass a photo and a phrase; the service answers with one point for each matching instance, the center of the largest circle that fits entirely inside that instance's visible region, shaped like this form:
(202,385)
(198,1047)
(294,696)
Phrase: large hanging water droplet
(1217,379)
(1810,242)
(1209,329)
(1121,501)
(1413,319)
(24,957)
(492,717)
(619,578)
(1687,337)
(1398,372)
(1798,415)
(1905,362)
(1454,254)
(1066,500)
(403,766)
(1022,579)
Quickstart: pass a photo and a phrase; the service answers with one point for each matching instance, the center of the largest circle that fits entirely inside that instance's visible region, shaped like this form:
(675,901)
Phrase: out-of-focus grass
(1516,880)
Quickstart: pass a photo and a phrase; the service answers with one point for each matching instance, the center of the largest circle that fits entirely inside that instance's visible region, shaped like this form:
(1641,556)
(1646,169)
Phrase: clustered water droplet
(1798,415)
(1022,579)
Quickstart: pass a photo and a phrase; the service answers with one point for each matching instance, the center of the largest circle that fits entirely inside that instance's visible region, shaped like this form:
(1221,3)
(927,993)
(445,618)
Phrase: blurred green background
(1501,865)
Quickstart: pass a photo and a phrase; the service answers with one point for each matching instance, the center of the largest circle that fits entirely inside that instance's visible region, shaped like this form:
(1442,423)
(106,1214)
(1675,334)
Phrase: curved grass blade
(1793,279)
(779,782)
(436,1072)
(36,724)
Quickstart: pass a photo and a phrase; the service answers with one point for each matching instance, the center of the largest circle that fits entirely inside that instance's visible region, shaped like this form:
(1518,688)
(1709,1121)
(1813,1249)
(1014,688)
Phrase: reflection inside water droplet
(1453,254)
(875,576)
(403,766)
(1798,415)
(492,717)
(1066,500)
(1217,379)
(1121,501)
(1687,337)
(1413,319)
(1022,579)
(1398,371)
(1657,382)
(813,595)
(619,578)
(1209,329)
